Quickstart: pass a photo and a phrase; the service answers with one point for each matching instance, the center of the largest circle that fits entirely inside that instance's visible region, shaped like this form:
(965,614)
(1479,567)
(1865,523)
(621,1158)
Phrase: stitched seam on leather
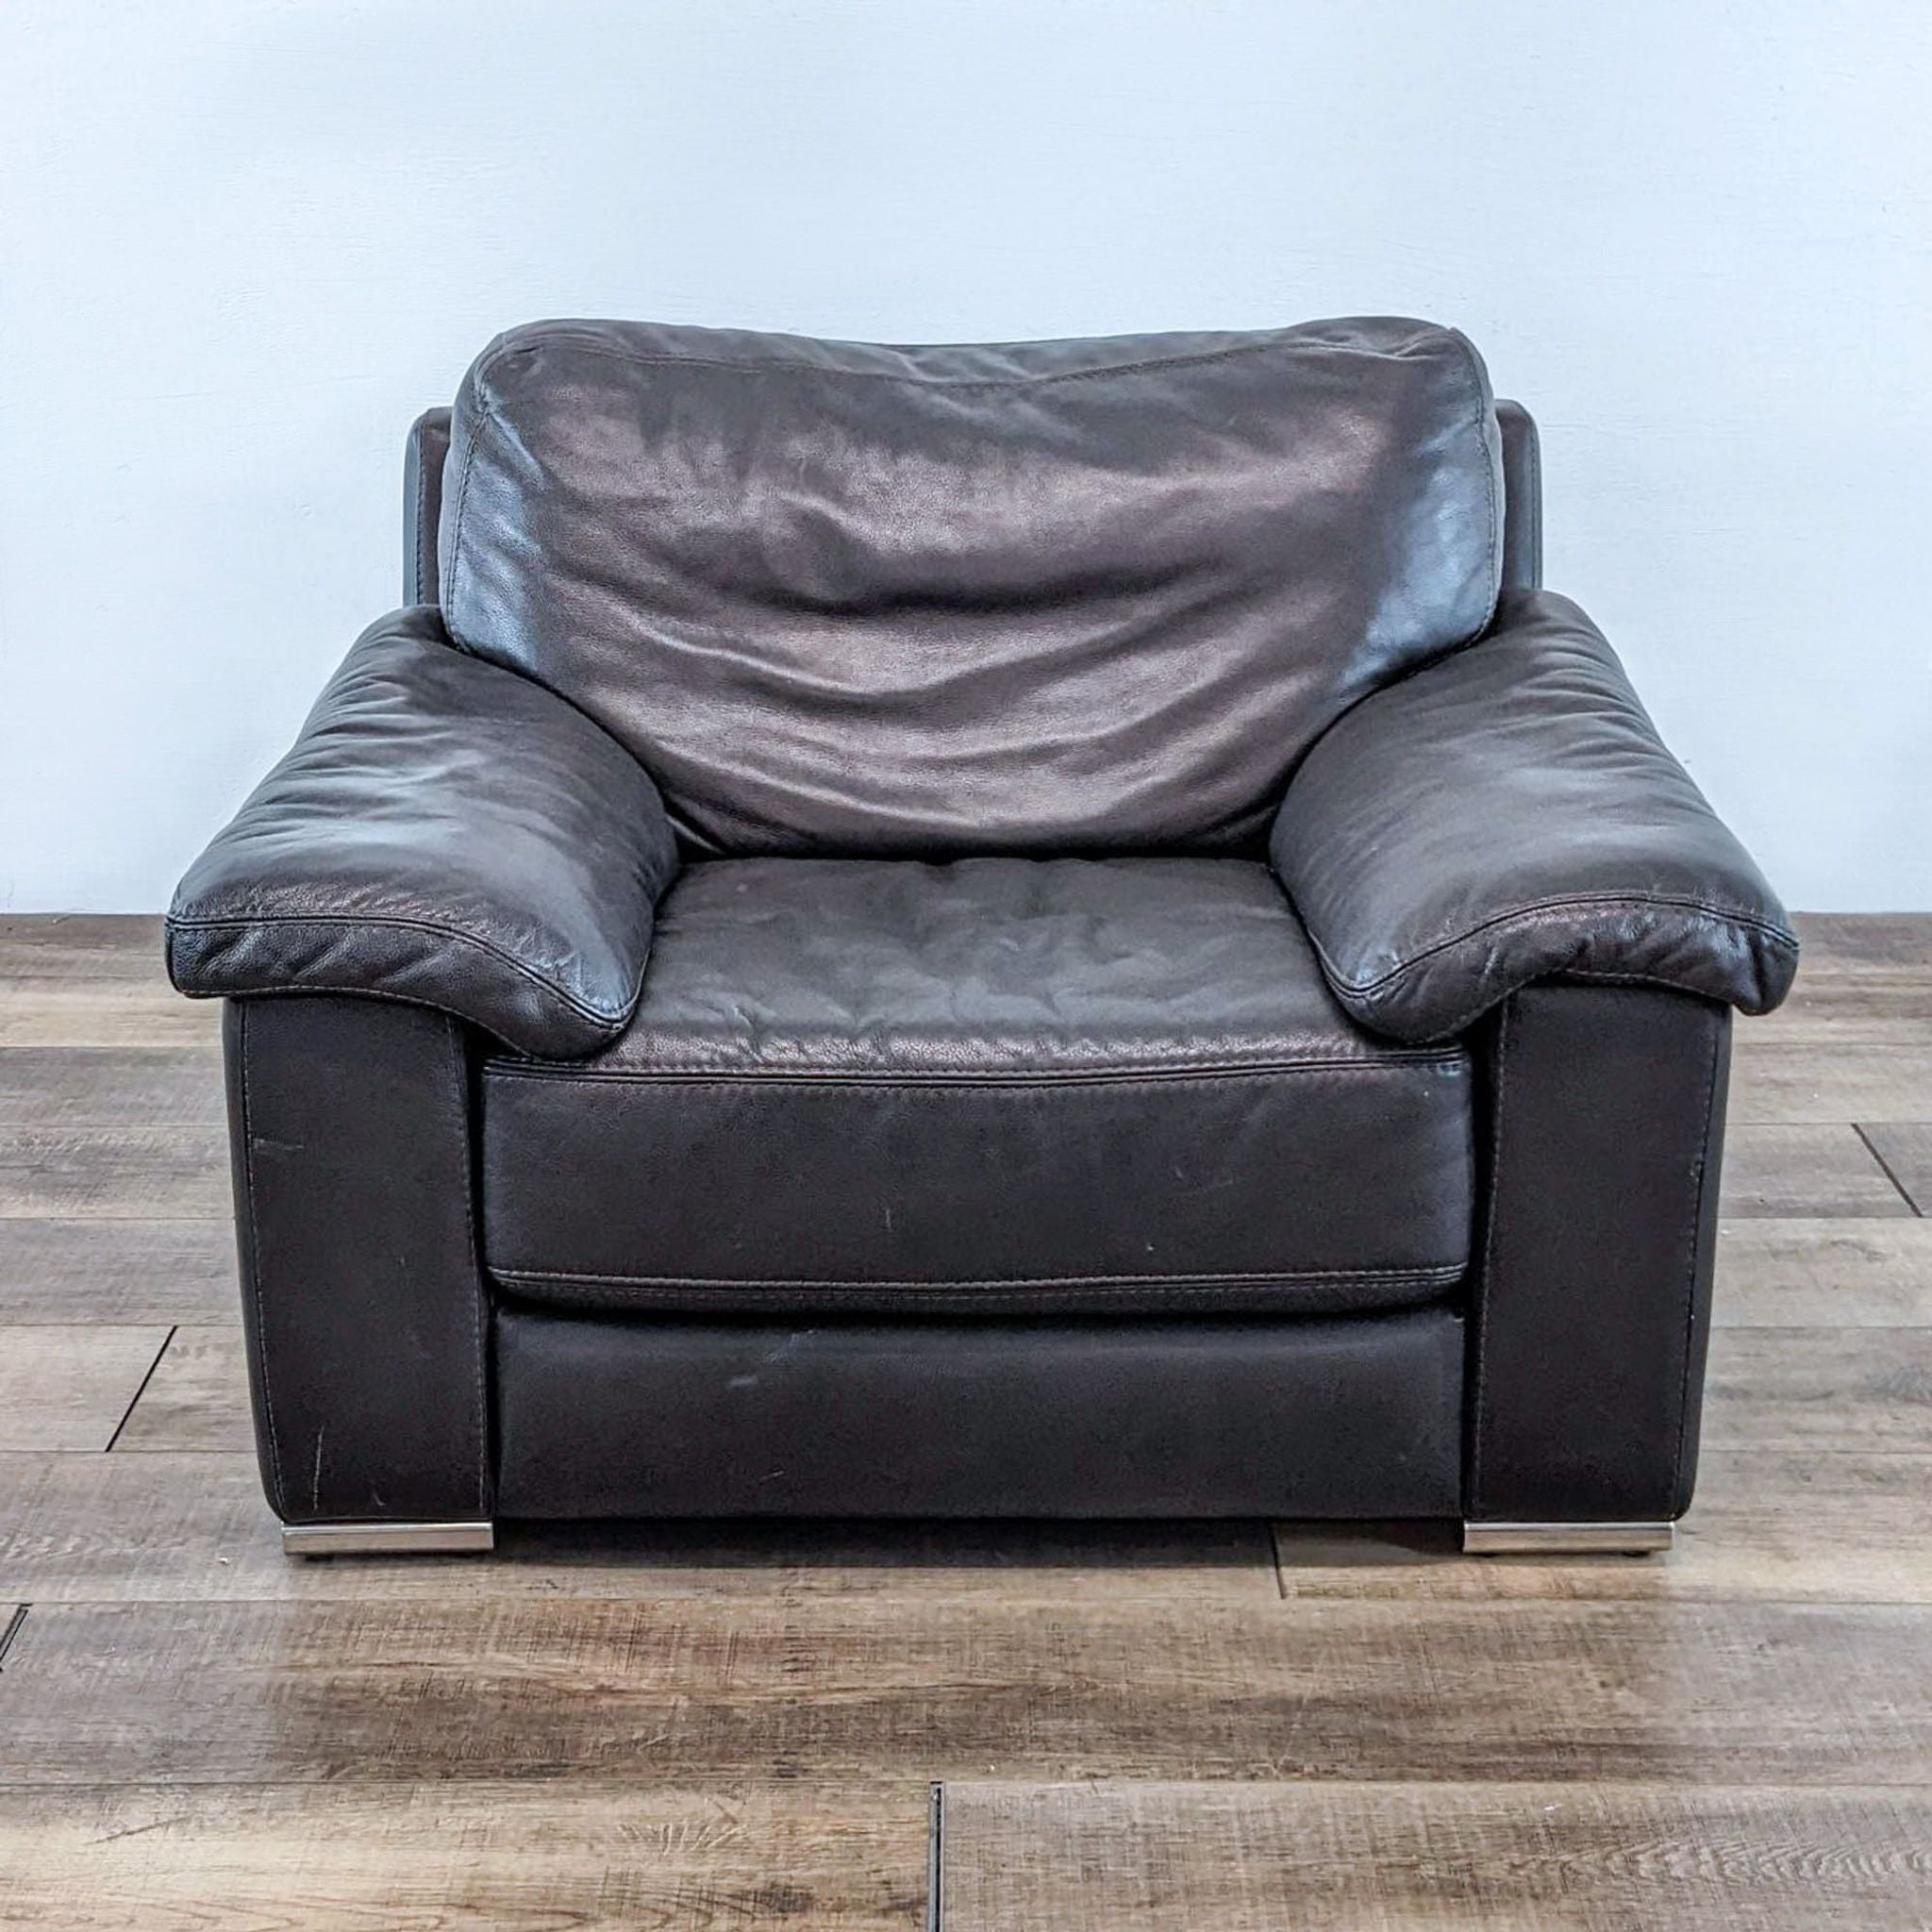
(419,1004)
(480,415)
(1775,934)
(268,1410)
(1615,975)
(1610,977)
(351,923)
(1561,975)
(1122,1284)
(1703,1167)
(590,346)
(1485,414)
(1051,1077)
(466,1179)
(1486,1275)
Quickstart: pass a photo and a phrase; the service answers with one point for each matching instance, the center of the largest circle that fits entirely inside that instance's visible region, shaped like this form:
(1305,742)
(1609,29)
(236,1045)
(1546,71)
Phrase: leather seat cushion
(995,1086)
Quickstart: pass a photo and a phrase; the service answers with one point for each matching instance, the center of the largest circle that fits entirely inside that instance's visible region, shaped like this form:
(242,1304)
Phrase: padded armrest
(1510,814)
(445,832)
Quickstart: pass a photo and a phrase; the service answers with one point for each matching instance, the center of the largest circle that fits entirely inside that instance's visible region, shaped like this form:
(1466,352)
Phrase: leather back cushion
(1032,597)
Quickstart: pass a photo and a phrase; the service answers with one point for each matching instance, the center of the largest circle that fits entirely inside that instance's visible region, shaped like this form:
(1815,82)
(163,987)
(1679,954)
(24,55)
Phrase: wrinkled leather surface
(602,1417)
(984,966)
(1592,1300)
(1510,814)
(1027,597)
(443,832)
(363,1300)
(999,1085)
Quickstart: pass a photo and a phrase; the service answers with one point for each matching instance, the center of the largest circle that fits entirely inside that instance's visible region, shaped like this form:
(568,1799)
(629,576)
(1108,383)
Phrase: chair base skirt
(1568,1538)
(609,1417)
(386,1538)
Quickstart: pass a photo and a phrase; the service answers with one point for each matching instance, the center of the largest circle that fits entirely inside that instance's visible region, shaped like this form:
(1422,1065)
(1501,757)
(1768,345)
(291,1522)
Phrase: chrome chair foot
(386,1538)
(1568,1538)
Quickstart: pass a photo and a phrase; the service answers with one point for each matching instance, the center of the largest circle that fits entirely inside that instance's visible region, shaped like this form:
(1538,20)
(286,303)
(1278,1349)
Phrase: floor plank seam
(235,1326)
(1740,1597)
(159,1354)
(892,1784)
(93,1219)
(935,1860)
(11,1631)
(1871,1148)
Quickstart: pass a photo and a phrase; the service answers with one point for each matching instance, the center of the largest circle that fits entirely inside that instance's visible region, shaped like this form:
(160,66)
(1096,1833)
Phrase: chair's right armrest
(1510,814)
(445,832)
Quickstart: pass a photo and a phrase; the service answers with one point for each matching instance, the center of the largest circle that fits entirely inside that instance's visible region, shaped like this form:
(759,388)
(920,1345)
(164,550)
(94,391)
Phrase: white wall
(245,241)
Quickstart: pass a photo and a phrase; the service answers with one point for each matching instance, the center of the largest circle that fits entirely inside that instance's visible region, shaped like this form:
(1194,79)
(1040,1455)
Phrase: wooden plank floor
(1510,1858)
(1140,1727)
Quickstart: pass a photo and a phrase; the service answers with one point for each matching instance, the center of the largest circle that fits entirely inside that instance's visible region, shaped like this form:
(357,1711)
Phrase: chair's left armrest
(445,832)
(1510,814)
